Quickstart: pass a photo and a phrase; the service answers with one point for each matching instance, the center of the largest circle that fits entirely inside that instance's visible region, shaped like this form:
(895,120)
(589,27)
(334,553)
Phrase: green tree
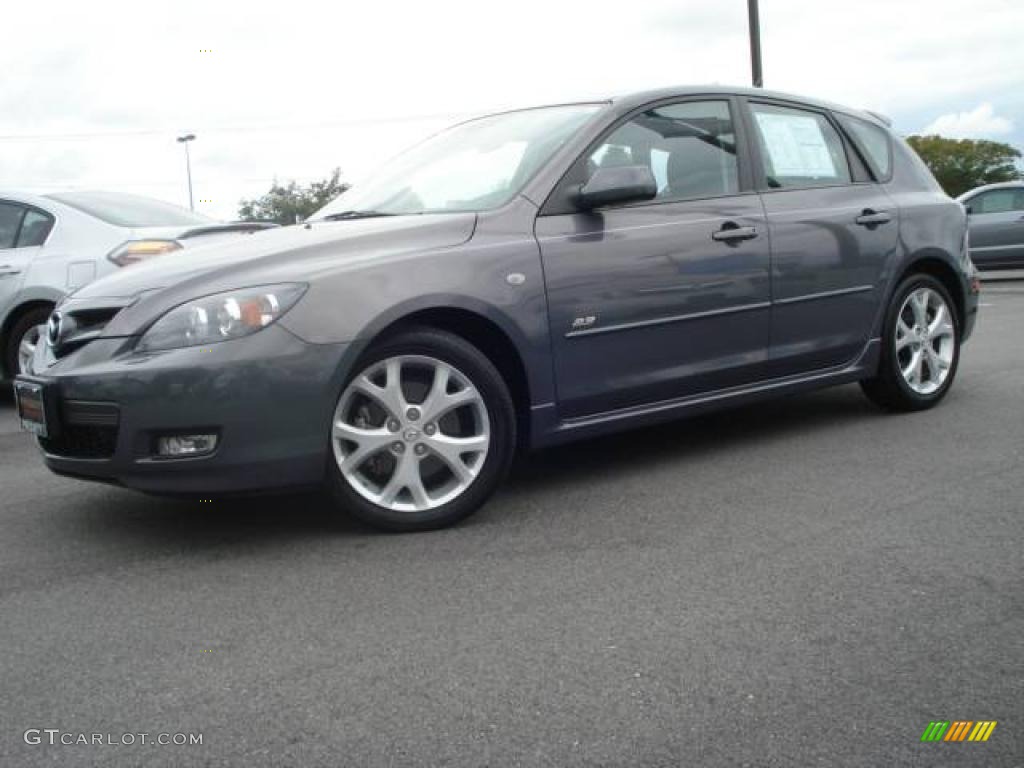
(963,164)
(292,203)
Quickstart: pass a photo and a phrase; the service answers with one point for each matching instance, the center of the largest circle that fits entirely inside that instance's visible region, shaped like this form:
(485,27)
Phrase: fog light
(186,445)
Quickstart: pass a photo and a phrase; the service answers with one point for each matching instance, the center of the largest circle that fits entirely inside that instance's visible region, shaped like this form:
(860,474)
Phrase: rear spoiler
(234,226)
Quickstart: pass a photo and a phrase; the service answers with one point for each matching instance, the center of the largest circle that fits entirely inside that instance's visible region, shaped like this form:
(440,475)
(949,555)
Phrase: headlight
(135,251)
(220,317)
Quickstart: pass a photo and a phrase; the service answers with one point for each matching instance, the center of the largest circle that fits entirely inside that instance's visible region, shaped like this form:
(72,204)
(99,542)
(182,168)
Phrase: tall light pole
(755,44)
(188,165)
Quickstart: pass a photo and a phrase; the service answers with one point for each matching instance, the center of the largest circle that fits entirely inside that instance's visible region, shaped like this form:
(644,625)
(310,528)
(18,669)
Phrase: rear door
(23,230)
(997,228)
(833,229)
(665,298)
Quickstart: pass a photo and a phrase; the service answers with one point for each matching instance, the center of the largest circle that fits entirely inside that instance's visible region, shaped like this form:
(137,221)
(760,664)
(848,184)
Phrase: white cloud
(981,122)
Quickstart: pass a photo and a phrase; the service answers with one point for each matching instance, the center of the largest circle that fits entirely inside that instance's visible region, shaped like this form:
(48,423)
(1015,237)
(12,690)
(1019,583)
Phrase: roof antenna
(755,44)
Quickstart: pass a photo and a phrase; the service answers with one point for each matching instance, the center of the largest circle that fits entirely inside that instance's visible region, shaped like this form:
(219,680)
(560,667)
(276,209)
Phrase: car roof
(626,102)
(21,196)
(988,187)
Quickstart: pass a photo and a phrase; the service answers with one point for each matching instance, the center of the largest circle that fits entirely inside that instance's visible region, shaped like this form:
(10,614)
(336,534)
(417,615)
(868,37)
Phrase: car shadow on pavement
(116,515)
(675,441)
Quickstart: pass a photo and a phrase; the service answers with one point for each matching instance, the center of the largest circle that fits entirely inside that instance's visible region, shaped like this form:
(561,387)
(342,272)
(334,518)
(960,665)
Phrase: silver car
(52,244)
(996,225)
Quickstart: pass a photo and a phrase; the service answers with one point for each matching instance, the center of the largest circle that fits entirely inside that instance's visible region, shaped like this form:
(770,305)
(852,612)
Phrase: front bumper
(269,397)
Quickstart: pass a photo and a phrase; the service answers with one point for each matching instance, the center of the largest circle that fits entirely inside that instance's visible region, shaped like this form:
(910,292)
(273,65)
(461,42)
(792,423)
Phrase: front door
(832,237)
(666,298)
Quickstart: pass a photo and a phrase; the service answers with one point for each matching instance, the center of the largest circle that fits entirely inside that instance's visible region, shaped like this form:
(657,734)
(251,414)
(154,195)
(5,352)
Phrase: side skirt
(548,430)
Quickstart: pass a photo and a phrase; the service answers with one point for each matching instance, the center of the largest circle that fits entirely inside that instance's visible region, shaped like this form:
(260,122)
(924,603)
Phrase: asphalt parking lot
(807,583)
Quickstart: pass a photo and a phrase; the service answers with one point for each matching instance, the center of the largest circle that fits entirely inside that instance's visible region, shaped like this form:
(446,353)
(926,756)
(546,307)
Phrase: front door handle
(732,233)
(870,218)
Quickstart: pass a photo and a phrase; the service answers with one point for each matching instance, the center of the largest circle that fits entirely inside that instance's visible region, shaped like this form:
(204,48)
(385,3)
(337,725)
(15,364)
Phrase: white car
(52,244)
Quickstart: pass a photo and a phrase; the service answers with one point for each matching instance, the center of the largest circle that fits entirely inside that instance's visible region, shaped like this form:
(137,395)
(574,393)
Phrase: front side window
(10,221)
(474,166)
(873,141)
(998,201)
(689,147)
(35,228)
(799,148)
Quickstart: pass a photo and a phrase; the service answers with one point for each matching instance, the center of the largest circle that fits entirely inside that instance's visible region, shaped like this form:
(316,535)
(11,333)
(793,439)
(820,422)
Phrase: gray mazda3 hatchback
(517,281)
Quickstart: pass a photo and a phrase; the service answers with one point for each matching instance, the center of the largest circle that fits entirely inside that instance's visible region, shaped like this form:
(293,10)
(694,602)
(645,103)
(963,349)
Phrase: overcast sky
(93,93)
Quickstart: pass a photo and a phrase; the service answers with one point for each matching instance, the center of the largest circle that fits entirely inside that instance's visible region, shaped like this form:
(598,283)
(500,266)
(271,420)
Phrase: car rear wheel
(920,347)
(423,433)
(21,342)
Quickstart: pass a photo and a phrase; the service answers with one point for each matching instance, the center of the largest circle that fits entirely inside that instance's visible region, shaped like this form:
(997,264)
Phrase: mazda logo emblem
(53,329)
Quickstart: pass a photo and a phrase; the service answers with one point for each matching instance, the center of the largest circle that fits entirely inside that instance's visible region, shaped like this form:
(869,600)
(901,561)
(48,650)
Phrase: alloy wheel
(410,433)
(925,342)
(27,348)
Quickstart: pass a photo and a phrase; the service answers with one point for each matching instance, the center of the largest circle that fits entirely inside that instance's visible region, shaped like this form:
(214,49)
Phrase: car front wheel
(423,432)
(920,347)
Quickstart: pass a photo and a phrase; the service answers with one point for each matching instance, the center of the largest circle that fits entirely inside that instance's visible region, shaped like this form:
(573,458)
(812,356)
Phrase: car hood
(299,253)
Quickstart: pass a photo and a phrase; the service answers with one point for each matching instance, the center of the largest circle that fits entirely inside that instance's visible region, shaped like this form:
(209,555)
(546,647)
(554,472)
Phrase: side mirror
(617,184)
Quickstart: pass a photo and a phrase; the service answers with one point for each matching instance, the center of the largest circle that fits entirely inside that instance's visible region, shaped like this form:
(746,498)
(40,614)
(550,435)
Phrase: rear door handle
(870,218)
(731,233)
(6,270)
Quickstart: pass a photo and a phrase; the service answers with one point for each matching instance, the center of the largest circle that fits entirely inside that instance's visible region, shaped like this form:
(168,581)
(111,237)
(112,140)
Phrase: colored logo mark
(958,730)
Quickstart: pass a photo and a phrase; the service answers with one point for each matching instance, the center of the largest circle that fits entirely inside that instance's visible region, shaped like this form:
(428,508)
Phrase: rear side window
(799,148)
(34,228)
(10,221)
(998,201)
(872,141)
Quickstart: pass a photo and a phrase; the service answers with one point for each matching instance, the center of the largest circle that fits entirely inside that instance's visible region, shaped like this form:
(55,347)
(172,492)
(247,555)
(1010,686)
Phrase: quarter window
(10,221)
(873,141)
(35,228)
(689,147)
(799,148)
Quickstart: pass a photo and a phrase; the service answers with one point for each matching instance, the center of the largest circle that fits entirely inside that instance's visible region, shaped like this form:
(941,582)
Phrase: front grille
(78,326)
(88,430)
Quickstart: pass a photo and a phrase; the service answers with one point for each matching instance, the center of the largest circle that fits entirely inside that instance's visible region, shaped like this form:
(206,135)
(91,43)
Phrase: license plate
(31,400)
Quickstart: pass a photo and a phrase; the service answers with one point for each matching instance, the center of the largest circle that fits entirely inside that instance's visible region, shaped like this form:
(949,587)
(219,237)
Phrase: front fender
(355,306)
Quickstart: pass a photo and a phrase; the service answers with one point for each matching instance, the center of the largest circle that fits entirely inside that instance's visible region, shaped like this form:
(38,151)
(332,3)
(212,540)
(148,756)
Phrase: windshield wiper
(356,215)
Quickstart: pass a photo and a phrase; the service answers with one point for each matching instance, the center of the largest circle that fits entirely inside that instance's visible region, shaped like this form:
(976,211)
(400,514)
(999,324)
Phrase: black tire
(27,321)
(471,362)
(888,389)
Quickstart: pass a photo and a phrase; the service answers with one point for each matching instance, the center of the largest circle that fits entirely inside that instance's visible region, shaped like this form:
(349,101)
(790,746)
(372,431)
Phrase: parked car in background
(52,244)
(996,222)
(520,280)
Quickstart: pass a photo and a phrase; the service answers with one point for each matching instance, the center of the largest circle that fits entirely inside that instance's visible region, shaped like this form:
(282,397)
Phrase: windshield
(474,166)
(124,210)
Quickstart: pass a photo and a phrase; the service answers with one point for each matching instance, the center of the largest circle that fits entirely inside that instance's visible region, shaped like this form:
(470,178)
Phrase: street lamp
(184,140)
(755,44)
